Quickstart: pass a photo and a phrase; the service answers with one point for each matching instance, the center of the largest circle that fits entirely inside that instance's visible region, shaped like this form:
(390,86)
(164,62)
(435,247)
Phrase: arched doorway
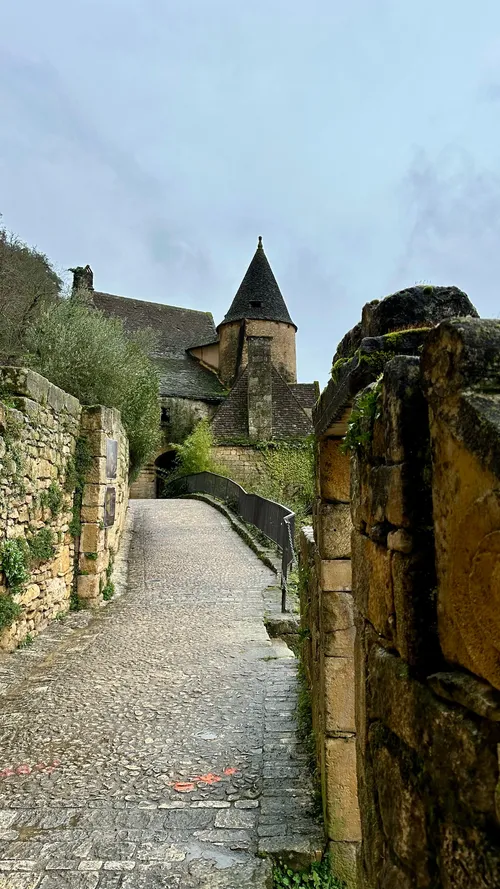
(164,464)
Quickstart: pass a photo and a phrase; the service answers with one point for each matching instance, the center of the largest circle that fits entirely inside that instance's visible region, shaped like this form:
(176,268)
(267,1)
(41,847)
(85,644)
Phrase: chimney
(260,393)
(83,278)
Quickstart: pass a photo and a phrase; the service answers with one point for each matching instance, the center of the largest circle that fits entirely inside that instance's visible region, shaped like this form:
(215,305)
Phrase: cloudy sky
(156,139)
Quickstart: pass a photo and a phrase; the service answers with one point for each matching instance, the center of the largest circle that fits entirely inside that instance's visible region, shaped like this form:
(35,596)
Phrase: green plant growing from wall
(14,562)
(52,498)
(317,876)
(41,545)
(108,591)
(76,473)
(9,611)
(365,410)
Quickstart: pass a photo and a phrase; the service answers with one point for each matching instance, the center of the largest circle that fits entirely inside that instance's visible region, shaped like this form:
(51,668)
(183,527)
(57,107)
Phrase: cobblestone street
(153,744)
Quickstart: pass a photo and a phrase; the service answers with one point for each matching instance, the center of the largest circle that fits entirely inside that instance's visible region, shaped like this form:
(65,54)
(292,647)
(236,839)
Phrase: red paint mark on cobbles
(25,769)
(209,779)
(184,786)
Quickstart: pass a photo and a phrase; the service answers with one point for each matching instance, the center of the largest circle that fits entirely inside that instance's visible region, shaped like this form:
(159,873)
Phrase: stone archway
(165,462)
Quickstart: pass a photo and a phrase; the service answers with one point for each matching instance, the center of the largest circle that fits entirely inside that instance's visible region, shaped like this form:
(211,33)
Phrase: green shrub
(9,611)
(52,498)
(365,410)
(289,472)
(92,357)
(317,876)
(108,591)
(14,562)
(41,545)
(195,454)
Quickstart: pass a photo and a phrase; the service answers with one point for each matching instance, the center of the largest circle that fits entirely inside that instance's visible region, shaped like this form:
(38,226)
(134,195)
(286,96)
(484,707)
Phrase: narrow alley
(153,743)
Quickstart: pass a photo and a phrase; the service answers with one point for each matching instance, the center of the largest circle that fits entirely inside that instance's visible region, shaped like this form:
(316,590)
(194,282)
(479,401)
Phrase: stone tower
(257,310)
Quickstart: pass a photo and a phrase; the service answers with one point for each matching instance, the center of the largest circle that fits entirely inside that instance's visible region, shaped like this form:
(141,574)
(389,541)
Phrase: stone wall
(427,595)
(39,426)
(242,463)
(327,617)
(421,709)
(41,433)
(104,501)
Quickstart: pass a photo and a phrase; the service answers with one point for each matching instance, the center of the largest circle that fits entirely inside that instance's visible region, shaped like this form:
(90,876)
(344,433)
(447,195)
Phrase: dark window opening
(165,416)
(256,303)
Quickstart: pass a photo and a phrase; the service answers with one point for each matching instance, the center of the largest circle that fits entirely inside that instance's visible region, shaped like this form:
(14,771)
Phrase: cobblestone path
(153,744)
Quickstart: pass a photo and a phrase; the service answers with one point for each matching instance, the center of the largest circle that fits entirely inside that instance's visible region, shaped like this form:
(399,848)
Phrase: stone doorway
(164,464)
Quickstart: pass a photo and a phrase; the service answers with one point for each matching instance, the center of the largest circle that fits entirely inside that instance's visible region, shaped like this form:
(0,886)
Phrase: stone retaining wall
(40,426)
(418,717)
(107,478)
(244,464)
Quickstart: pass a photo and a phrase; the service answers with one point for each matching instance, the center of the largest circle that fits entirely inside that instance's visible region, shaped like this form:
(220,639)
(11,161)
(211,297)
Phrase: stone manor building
(241,375)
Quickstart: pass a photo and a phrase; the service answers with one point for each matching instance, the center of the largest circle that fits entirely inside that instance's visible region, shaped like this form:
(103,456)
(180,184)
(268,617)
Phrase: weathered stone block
(97,472)
(334,530)
(334,470)
(471,693)
(340,643)
(413,584)
(343,862)
(468,858)
(94,495)
(400,540)
(372,583)
(88,586)
(467,537)
(404,411)
(335,574)
(97,442)
(31,592)
(402,811)
(460,752)
(341,790)
(62,562)
(339,694)
(393,495)
(415,307)
(92,539)
(94,566)
(337,611)
(92,514)
(55,589)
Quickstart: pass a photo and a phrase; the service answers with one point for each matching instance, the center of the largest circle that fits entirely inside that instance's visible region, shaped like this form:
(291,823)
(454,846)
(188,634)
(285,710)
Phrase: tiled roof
(289,419)
(186,378)
(306,394)
(177,329)
(231,419)
(259,295)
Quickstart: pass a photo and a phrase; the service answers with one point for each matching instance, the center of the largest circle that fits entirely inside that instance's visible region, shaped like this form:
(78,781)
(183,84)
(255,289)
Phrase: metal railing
(275,521)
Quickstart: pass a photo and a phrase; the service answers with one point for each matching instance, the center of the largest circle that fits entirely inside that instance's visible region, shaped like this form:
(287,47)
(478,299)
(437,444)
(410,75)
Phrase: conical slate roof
(259,295)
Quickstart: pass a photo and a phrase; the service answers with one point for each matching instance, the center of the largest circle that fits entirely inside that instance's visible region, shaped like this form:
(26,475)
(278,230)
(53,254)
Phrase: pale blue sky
(156,139)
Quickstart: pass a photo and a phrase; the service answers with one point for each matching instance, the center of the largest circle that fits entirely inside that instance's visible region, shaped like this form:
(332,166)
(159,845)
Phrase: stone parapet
(54,533)
(104,501)
(39,427)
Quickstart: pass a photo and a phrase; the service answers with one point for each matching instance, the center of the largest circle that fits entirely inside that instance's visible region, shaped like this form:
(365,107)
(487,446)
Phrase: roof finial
(260,240)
